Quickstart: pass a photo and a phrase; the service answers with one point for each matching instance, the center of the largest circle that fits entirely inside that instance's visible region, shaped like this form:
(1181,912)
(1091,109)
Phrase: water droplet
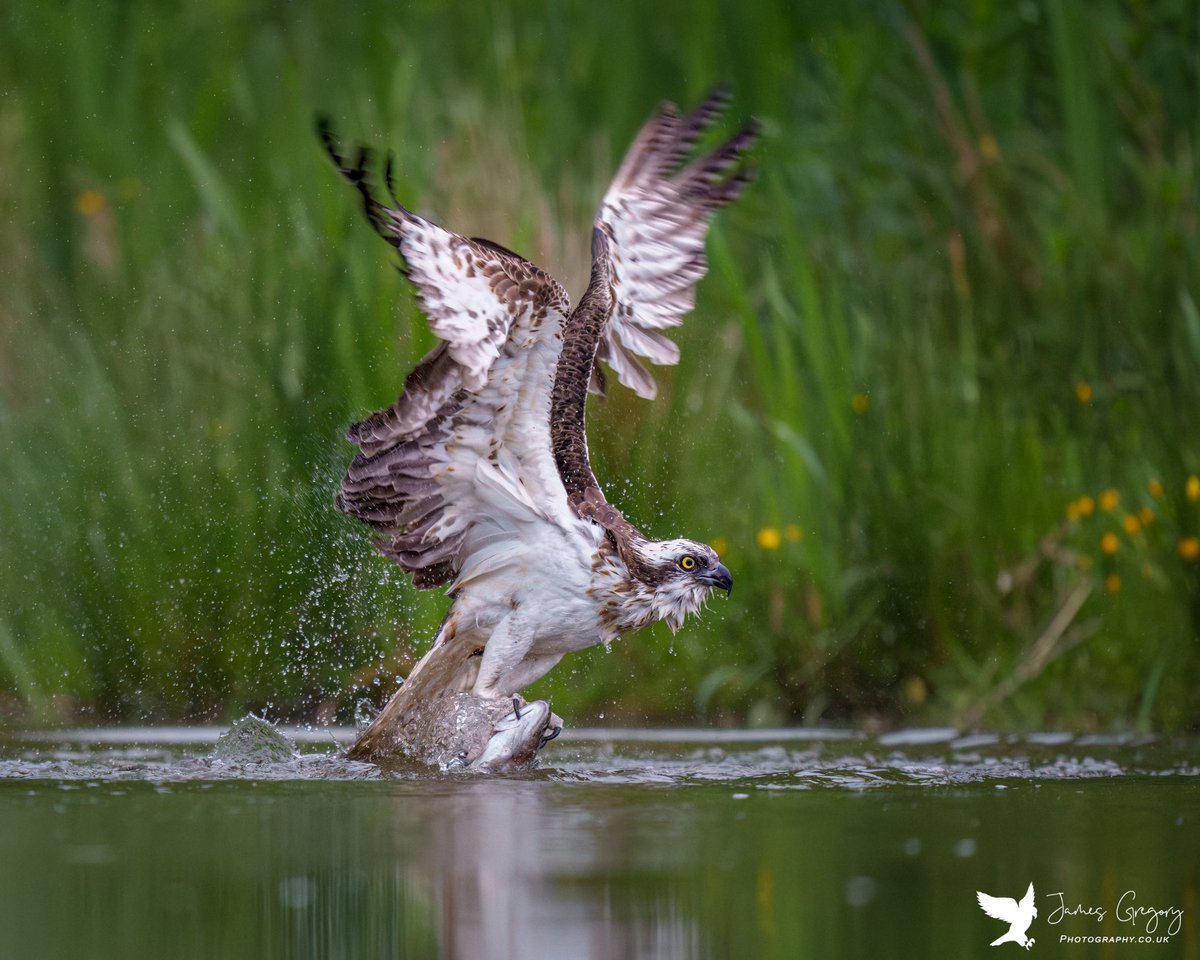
(860,891)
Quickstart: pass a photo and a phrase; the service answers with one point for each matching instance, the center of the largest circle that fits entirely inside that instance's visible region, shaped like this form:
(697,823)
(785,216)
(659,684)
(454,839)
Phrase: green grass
(961,217)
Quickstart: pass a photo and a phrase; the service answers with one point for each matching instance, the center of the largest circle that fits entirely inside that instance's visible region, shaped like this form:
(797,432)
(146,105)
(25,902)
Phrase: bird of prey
(1018,915)
(477,478)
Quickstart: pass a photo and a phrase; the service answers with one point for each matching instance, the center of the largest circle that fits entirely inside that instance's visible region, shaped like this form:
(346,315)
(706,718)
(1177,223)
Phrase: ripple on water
(759,760)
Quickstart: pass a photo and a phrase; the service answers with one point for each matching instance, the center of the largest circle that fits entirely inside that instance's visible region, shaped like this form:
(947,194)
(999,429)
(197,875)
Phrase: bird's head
(682,573)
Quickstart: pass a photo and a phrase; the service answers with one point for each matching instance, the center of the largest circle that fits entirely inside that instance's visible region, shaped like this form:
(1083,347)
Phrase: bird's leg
(502,667)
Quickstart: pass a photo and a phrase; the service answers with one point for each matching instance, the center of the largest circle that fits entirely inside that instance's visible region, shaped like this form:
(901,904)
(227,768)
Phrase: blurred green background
(937,408)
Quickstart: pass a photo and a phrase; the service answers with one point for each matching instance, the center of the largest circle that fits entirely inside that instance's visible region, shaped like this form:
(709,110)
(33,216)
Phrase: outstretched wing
(656,214)
(465,442)
(1027,900)
(647,255)
(999,908)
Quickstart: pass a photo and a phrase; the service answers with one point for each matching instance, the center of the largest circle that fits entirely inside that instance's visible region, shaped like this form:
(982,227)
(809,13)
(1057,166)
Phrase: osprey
(477,477)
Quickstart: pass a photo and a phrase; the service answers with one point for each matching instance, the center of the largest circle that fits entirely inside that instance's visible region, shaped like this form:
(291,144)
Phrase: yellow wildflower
(1083,392)
(793,533)
(860,403)
(1109,543)
(1189,548)
(1131,524)
(90,203)
(1193,488)
(916,690)
(1087,506)
(1072,511)
(1156,488)
(719,545)
(1109,500)
(1146,515)
(769,538)
(1112,583)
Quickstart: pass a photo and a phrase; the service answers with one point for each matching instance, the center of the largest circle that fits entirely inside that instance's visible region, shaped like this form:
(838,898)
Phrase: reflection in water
(500,891)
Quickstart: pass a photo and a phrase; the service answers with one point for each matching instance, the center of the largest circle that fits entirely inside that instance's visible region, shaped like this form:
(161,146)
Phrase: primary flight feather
(478,476)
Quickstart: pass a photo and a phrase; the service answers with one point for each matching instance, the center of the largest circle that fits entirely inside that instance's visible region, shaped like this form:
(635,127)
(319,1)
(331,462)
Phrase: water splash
(254,740)
(744,761)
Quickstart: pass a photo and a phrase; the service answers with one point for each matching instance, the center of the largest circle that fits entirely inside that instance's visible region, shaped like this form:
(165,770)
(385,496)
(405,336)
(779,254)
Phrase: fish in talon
(516,740)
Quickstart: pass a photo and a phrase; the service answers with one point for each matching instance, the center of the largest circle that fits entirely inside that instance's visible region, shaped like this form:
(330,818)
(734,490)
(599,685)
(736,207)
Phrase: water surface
(629,843)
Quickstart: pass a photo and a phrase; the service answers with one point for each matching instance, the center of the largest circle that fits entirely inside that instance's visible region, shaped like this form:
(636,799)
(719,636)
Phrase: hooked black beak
(721,577)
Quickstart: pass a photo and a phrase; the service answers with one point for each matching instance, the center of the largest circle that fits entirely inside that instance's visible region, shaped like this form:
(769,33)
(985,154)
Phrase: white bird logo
(1017,915)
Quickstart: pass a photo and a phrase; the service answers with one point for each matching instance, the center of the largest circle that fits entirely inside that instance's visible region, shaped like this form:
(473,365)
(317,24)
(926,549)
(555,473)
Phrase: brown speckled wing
(490,308)
(647,255)
(656,215)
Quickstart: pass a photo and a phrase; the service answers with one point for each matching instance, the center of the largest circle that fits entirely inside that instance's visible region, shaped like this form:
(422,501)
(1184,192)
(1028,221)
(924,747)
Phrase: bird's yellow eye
(688,562)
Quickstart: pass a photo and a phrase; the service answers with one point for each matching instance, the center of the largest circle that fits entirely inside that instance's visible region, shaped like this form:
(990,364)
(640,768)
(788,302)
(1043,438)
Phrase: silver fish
(432,720)
(518,737)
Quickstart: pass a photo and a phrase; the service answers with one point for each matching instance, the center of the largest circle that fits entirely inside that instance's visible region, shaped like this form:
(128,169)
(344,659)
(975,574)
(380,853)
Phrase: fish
(432,721)
(518,737)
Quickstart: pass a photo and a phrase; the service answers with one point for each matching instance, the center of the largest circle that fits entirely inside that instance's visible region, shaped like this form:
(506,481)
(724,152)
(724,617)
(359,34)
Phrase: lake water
(129,844)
